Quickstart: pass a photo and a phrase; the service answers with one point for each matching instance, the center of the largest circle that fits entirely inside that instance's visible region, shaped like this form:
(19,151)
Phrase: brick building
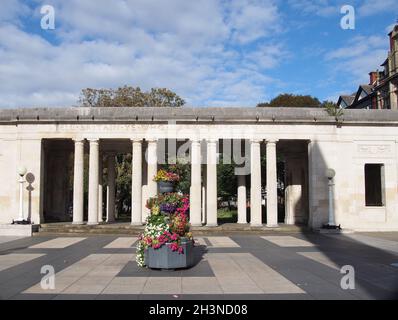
(382,90)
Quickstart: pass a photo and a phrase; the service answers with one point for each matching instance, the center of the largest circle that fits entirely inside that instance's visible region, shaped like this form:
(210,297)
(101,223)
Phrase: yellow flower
(155,210)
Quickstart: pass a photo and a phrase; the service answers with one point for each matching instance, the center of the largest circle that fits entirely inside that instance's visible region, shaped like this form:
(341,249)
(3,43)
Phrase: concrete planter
(165,187)
(165,258)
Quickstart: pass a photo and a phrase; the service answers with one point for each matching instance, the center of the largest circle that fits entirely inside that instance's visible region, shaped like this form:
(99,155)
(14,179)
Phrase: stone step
(127,229)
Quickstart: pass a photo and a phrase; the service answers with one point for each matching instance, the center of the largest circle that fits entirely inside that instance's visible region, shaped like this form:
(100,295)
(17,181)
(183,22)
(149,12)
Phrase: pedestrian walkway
(246,266)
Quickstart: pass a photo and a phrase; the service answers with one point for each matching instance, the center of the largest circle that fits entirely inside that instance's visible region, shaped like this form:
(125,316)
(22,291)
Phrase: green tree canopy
(129,97)
(291,100)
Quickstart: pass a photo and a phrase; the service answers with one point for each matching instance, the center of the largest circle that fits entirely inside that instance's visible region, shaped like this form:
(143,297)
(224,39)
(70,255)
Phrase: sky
(210,52)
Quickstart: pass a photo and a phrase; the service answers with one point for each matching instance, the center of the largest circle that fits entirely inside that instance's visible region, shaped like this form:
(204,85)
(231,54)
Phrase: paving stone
(222,242)
(253,269)
(321,258)
(288,241)
(125,285)
(122,243)
(58,243)
(13,259)
(164,285)
(227,271)
(200,285)
(270,281)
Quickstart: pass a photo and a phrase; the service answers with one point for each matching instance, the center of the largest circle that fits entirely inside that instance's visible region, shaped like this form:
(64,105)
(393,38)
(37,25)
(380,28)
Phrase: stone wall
(364,137)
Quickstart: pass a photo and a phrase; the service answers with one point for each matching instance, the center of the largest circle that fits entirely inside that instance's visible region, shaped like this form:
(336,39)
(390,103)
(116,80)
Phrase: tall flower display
(167,224)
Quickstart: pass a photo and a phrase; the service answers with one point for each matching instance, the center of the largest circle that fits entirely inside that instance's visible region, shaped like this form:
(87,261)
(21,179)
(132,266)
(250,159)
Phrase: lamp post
(330,174)
(21,172)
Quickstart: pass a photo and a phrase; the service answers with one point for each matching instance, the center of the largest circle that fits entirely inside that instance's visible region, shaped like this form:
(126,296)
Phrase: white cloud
(323,8)
(372,7)
(352,63)
(192,47)
(11,10)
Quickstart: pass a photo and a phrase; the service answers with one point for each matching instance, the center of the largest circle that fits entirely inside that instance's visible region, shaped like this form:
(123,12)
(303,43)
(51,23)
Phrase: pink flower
(174,246)
(174,237)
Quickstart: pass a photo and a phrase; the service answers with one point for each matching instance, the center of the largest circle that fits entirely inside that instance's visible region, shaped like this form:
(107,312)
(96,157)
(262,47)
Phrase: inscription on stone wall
(374,150)
(101,127)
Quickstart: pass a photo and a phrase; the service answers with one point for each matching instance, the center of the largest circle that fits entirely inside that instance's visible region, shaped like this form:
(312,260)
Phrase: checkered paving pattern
(292,266)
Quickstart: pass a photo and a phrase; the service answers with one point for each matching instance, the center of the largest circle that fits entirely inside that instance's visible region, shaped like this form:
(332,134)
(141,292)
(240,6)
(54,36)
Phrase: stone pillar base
(256,225)
(18,230)
(196,224)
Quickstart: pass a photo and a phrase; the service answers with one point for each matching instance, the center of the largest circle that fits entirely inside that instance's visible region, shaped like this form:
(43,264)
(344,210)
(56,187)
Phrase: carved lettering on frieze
(374,149)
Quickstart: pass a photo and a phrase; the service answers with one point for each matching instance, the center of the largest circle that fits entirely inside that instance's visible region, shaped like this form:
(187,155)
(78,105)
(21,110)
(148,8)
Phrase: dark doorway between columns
(293,182)
(58,180)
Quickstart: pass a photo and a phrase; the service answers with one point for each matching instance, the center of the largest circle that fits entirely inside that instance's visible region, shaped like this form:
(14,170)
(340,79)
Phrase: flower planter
(165,258)
(165,187)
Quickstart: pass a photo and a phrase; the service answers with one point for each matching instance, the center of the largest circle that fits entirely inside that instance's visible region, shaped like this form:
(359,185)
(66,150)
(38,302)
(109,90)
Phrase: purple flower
(168,208)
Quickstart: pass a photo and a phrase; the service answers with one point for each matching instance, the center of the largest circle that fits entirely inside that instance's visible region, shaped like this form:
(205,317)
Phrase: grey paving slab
(5,239)
(201,269)
(253,266)
(21,277)
(374,241)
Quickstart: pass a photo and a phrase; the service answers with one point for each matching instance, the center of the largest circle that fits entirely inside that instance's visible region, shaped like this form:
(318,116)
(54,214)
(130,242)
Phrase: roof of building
(348,99)
(190,115)
(367,88)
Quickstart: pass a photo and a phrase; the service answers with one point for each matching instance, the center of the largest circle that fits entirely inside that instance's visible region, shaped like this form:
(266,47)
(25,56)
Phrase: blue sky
(212,53)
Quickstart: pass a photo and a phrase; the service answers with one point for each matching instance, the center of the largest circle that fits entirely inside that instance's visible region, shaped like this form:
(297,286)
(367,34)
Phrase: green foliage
(129,97)
(333,109)
(226,214)
(226,180)
(123,183)
(158,220)
(293,101)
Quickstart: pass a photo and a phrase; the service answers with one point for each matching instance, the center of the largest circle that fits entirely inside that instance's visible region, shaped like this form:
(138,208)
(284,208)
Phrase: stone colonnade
(203,191)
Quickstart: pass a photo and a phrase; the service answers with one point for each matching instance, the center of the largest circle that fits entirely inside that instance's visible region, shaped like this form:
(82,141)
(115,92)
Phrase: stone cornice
(77,115)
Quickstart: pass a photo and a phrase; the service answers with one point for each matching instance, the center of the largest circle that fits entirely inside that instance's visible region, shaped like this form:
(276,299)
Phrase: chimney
(373,77)
(393,36)
(391,42)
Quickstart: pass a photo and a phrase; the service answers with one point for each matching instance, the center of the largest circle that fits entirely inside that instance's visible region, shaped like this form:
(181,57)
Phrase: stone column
(93,183)
(204,194)
(150,190)
(110,203)
(211,189)
(196,186)
(100,188)
(78,178)
(145,211)
(294,187)
(255,187)
(152,168)
(136,187)
(242,199)
(272,185)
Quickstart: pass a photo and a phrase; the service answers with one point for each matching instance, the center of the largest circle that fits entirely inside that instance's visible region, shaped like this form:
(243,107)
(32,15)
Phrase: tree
(226,181)
(291,100)
(129,97)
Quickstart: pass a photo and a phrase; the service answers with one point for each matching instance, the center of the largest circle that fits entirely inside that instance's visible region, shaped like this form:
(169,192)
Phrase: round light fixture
(22,171)
(330,173)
